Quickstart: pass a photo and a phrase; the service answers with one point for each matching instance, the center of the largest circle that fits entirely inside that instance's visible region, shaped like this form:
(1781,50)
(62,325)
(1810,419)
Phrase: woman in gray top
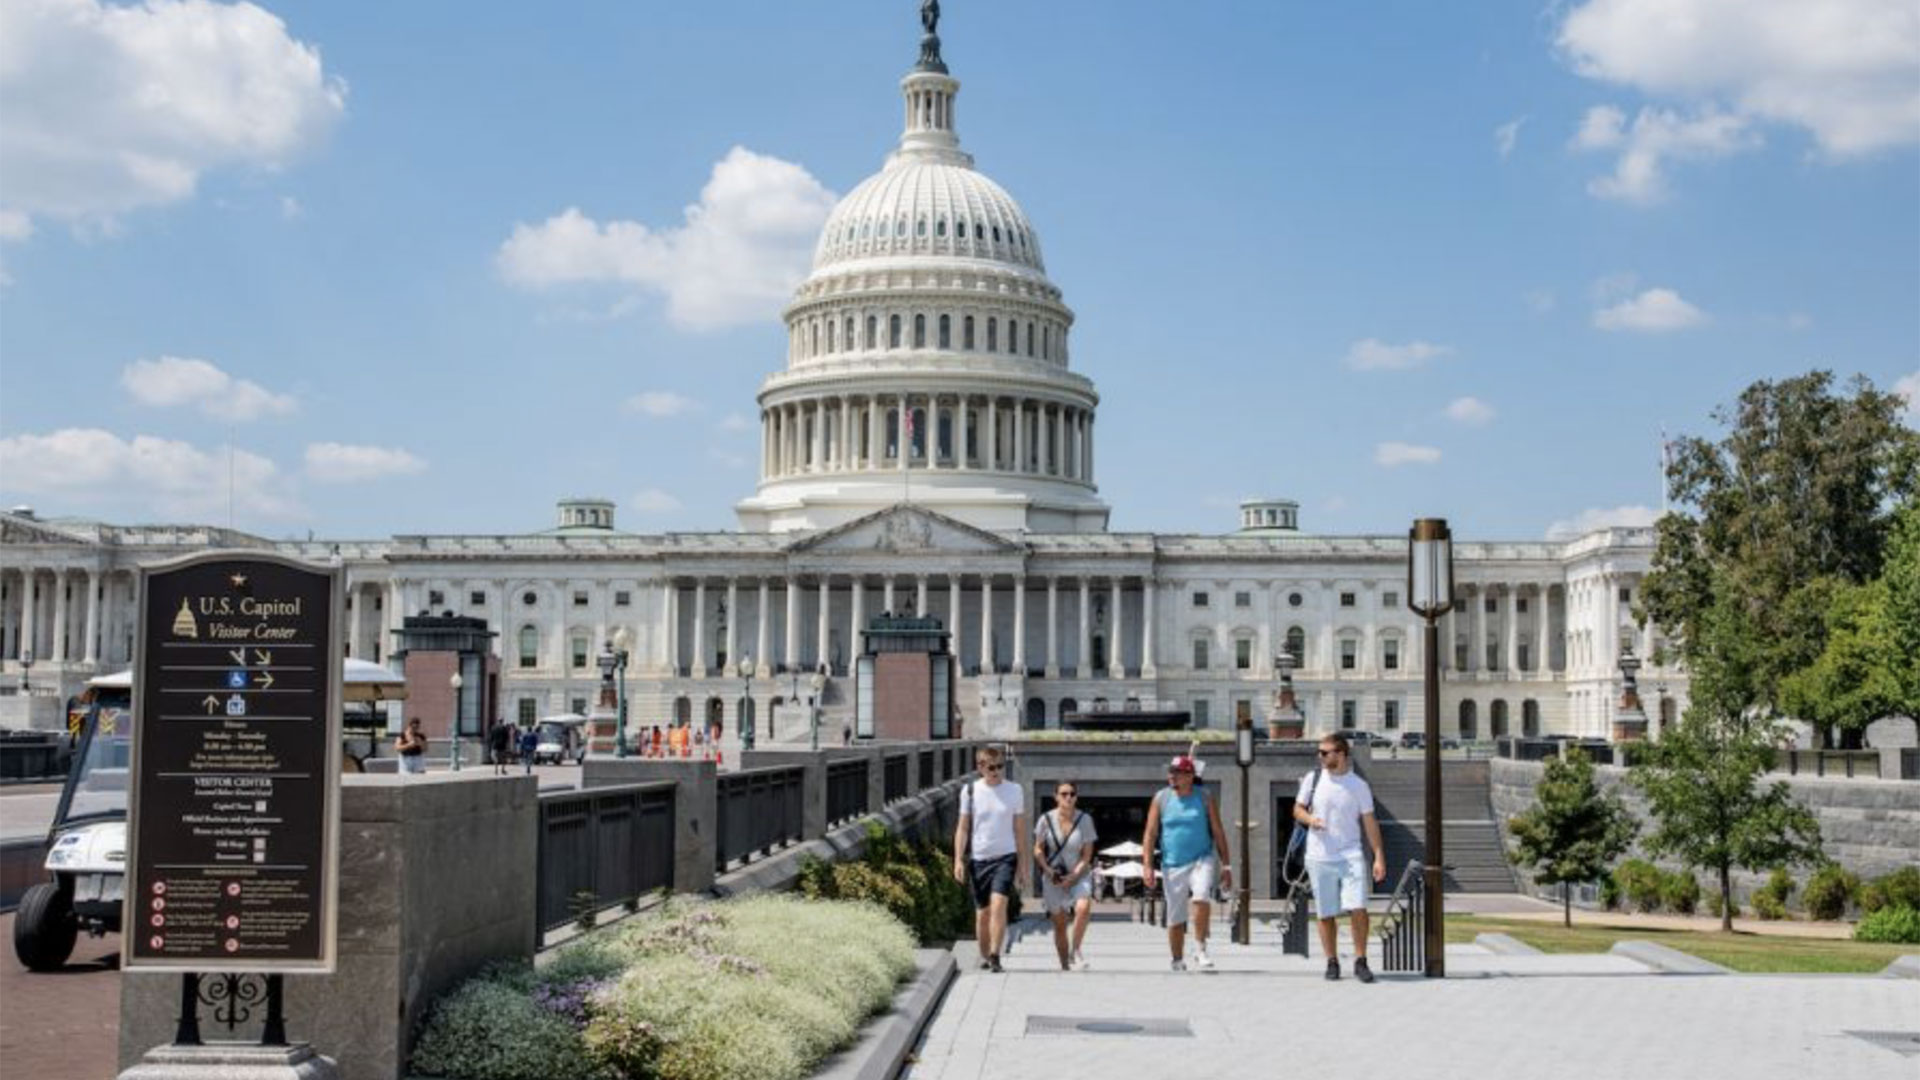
(1063,842)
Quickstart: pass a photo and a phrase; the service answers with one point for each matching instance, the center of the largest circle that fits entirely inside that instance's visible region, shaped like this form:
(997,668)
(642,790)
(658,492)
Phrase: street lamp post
(817,685)
(1430,595)
(26,671)
(746,723)
(621,651)
(1243,755)
(453,755)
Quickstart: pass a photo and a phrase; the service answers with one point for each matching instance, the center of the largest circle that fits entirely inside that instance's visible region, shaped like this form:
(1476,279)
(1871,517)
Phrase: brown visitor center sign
(233,837)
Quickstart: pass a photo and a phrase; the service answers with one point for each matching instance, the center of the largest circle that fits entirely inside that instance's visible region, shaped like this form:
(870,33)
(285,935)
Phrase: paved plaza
(1266,1014)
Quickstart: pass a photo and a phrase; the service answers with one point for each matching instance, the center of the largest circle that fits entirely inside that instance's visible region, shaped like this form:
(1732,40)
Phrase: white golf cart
(87,846)
(561,739)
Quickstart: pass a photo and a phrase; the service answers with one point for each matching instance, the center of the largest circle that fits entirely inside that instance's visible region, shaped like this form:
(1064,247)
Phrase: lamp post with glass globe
(1430,595)
(746,723)
(816,685)
(453,754)
(1243,756)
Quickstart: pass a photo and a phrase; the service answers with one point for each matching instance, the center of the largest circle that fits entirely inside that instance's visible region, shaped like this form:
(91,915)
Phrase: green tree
(1575,831)
(1902,623)
(1793,503)
(1711,808)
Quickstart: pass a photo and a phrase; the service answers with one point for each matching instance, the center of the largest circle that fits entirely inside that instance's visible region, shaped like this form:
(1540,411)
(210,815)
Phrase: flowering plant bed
(760,988)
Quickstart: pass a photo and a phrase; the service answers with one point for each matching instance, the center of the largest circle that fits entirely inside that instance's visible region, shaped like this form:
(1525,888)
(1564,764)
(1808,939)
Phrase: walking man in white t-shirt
(988,856)
(1336,805)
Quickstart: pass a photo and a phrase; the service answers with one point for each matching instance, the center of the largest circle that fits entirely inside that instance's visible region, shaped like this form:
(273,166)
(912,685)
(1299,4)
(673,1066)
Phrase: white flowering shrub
(760,988)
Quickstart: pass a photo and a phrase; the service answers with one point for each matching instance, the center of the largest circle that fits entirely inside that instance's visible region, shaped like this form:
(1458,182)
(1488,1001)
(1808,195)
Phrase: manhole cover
(1164,1028)
(1900,1042)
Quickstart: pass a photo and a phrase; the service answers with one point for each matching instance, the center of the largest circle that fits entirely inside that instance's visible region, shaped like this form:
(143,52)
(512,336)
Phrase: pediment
(904,530)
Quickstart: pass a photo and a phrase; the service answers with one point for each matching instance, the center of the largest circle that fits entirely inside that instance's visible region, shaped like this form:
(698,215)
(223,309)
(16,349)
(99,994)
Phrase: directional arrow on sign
(265,679)
(262,656)
(239,655)
(212,703)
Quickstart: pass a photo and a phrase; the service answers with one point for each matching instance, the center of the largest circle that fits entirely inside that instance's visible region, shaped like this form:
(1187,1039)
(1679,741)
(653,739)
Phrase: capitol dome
(927,353)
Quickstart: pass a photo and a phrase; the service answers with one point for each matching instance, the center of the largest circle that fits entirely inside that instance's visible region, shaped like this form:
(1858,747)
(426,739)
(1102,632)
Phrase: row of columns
(1471,618)
(847,433)
(63,613)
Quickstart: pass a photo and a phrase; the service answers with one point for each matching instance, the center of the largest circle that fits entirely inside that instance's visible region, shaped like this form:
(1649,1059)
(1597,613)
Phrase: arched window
(979,231)
(893,433)
(920,227)
(919,331)
(1029,337)
(830,329)
(893,331)
(1498,719)
(920,433)
(1469,721)
(1297,645)
(940,227)
(813,348)
(1068,707)
(1036,715)
(1013,336)
(682,711)
(946,331)
(529,646)
(944,444)
(849,334)
(1530,718)
(873,331)
(993,334)
(966,333)
(900,227)
(1046,342)
(996,234)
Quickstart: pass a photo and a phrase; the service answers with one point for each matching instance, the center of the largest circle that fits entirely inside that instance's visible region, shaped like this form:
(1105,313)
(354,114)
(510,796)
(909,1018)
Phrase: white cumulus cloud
(1372,354)
(173,381)
(736,257)
(114,107)
(164,476)
(1587,521)
(1845,71)
(1470,411)
(653,501)
(1507,135)
(1654,311)
(1908,386)
(1394,454)
(735,422)
(660,403)
(1644,146)
(345,463)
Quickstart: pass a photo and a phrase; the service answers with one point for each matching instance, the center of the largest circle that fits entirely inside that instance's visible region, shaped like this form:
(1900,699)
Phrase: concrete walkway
(1266,1014)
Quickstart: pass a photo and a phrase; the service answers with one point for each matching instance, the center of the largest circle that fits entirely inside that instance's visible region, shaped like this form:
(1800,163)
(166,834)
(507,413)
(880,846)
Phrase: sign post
(233,836)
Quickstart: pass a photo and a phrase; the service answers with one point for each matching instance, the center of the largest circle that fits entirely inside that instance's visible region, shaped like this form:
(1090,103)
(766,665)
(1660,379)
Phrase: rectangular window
(1490,606)
(1349,654)
(1199,654)
(1390,600)
(1349,715)
(622,598)
(1242,709)
(1520,605)
(1242,599)
(1390,715)
(580,599)
(579,706)
(1390,654)
(1201,708)
(579,652)
(435,598)
(1626,596)
(476,599)
(529,711)
(1493,656)
(1347,599)
(1243,654)
(1526,657)
(1200,599)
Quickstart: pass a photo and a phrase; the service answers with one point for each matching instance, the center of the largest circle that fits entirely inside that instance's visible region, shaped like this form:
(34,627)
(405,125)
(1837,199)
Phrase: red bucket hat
(1181,763)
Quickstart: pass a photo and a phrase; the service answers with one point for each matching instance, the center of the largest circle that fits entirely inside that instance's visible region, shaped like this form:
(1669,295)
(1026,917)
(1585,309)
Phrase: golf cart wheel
(44,928)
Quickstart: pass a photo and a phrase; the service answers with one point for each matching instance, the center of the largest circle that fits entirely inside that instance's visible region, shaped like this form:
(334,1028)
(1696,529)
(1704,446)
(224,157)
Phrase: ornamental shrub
(1770,900)
(1610,893)
(491,1029)
(1714,906)
(1898,889)
(1680,892)
(1896,924)
(1828,892)
(1639,882)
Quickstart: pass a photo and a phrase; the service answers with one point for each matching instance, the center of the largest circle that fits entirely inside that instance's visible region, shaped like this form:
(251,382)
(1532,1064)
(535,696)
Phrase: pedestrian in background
(1184,831)
(1336,806)
(499,744)
(1063,841)
(529,747)
(412,748)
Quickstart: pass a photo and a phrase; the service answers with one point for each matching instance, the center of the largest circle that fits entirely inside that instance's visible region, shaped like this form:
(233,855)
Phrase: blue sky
(1387,259)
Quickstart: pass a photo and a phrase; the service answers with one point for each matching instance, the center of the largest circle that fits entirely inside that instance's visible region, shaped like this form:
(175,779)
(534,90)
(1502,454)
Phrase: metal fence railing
(759,810)
(925,758)
(846,790)
(603,846)
(894,777)
(1403,929)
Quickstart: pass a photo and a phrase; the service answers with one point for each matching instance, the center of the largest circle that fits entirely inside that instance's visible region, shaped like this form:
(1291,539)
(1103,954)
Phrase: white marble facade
(928,324)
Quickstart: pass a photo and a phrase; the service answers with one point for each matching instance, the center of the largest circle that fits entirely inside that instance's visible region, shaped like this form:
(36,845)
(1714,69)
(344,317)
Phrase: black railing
(895,777)
(926,769)
(603,846)
(758,810)
(1294,920)
(1403,929)
(846,790)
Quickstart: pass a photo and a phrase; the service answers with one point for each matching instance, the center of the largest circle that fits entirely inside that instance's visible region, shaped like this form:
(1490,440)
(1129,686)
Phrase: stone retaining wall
(1871,827)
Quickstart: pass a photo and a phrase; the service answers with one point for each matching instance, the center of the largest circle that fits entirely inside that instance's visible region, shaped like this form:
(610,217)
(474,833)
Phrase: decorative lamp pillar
(817,686)
(1430,595)
(745,723)
(453,754)
(1243,757)
(1285,721)
(622,650)
(603,721)
(1629,717)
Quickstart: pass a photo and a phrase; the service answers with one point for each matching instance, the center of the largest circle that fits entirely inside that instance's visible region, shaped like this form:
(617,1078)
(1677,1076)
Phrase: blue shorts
(990,878)
(1339,885)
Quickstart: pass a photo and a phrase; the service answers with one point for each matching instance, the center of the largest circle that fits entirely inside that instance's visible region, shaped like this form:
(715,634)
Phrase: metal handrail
(1403,938)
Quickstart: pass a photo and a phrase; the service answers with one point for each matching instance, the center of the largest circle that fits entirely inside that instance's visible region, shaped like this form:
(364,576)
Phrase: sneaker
(1079,962)
(1333,971)
(1361,971)
(993,964)
(1179,965)
(1201,961)
(985,964)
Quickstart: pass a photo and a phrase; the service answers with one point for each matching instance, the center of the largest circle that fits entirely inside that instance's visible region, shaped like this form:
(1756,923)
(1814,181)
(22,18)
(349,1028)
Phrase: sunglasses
(1067,795)
(1328,753)
(984,767)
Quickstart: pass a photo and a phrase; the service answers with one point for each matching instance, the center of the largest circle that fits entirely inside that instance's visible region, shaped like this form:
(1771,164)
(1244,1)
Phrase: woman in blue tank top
(1184,830)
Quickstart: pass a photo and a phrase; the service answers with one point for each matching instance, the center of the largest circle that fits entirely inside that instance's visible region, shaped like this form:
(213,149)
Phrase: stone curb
(1504,945)
(1903,967)
(886,1039)
(1665,960)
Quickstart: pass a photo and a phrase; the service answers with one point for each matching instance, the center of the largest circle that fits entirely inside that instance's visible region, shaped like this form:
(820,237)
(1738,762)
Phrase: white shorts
(413,763)
(1339,885)
(1190,884)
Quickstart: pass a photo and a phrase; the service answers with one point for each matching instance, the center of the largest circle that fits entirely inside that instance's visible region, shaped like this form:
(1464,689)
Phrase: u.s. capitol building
(928,447)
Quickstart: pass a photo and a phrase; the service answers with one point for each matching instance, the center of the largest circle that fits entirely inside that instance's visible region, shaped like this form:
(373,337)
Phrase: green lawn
(1740,951)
